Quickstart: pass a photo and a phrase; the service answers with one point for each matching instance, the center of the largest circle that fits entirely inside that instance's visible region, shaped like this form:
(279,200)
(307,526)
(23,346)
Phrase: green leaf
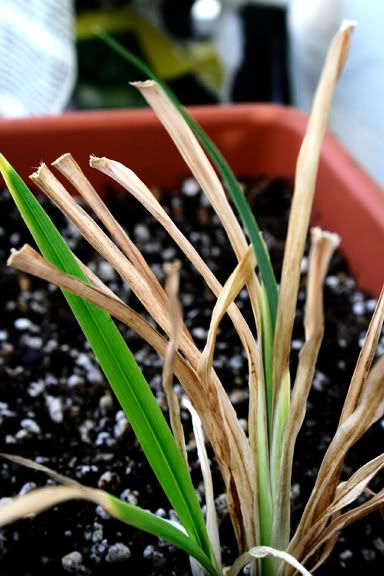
(42,499)
(119,367)
(267,329)
(144,520)
(231,183)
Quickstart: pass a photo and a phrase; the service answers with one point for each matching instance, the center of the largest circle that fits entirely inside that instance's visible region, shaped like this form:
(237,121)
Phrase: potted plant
(256,468)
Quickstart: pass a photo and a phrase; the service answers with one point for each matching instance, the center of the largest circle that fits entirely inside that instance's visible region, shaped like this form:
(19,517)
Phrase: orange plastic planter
(255,139)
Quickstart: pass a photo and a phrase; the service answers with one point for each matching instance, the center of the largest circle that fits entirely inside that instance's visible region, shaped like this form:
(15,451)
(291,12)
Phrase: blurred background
(209,51)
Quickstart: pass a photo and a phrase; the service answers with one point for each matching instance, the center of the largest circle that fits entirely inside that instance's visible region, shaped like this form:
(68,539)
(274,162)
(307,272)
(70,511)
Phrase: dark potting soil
(56,407)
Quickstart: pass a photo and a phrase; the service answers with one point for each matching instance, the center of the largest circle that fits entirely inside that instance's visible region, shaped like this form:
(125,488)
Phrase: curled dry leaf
(172,271)
(263,552)
(27,462)
(305,179)
(365,360)
(100,241)
(228,294)
(329,497)
(68,166)
(42,499)
(347,492)
(204,173)
(128,179)
(51,186)
(343,520)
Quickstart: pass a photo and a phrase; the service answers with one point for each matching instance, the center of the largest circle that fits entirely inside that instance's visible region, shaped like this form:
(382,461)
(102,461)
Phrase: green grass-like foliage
(121,370)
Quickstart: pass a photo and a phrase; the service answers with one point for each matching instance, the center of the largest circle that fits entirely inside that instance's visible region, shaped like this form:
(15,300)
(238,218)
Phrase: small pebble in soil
(30,426)
(106,404)
(190,187)
(155,556)
(85,470)
(122,426)
(22,324)
(72,563)
(55,409)
(105,271)
(101,513)
(131,496)
(75,380)
(97,533)
(379,545)
(320,381)
(109,481)
(346,555)
(141,233)
(118,553)
(85,428)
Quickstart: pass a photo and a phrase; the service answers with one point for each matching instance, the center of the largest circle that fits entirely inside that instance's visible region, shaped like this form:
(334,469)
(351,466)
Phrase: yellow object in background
(166,58)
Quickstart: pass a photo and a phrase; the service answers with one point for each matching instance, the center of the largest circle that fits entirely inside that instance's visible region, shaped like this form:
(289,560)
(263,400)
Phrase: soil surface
(56,407)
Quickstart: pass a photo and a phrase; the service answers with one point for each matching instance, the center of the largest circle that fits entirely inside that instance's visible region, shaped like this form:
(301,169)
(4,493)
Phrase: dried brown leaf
(355,395)
(43,498)
(344,520)
(228,294)
(28,463)
(51,186)
(263,552)
(305,179)
(200,166)
(147,295)
(365,360)
(356,485)
(68,166)
(172,288)
(347,493)
(202,169)
(346,436)
(323,245)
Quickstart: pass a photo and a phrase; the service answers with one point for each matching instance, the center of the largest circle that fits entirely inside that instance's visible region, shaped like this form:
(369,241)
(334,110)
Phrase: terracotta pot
(255,139)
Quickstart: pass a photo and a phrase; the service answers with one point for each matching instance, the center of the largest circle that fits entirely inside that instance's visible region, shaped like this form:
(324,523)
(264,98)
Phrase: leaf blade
(118,364)
(41,499)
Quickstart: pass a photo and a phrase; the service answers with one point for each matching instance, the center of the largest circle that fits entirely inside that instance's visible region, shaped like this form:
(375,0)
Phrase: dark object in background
(190,91)
(177,18)
(263,75)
